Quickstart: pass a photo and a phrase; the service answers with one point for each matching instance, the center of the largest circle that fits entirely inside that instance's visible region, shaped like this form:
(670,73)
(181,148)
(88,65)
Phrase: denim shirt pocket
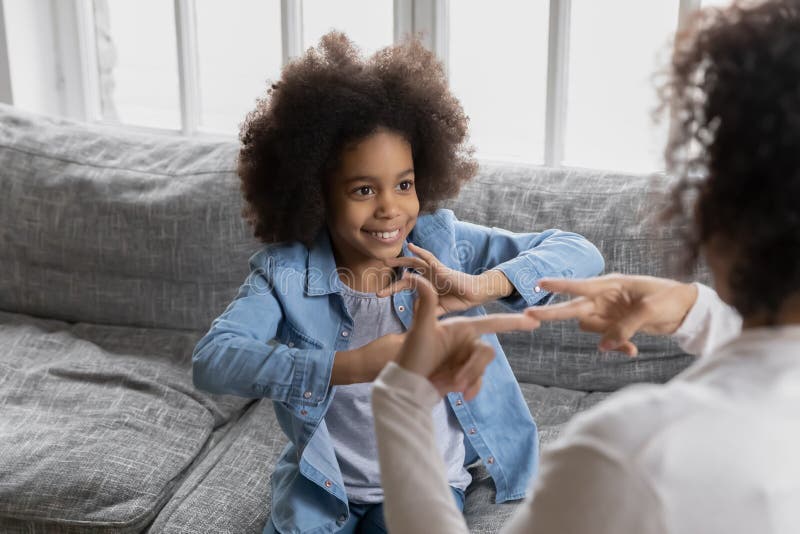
(291,336)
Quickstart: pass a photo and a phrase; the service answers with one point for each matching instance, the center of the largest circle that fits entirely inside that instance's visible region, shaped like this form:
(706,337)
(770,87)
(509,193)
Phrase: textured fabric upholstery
(100,225)
(116,252)
(616,213)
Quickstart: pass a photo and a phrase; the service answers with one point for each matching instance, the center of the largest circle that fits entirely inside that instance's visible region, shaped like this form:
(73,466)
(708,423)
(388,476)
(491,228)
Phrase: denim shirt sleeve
(240,355)
(526,257)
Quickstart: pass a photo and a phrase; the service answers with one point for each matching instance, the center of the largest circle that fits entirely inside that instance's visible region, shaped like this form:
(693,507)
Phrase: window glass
(498,69)
(138,62)
(238,50)
(615,49)
(368,23)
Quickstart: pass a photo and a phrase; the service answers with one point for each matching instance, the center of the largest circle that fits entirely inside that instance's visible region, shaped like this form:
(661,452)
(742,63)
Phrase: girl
(342,166)
(715,449)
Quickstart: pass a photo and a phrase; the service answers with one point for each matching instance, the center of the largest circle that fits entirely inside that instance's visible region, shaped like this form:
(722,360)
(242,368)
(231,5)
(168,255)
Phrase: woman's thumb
(425,309)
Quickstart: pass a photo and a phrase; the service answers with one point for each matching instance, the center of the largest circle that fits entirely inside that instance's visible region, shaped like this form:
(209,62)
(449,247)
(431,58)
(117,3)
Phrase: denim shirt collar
(321,275)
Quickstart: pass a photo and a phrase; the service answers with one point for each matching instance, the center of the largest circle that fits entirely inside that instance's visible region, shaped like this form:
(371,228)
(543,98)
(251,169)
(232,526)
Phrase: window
(554,82)
(498,74)
(610,88)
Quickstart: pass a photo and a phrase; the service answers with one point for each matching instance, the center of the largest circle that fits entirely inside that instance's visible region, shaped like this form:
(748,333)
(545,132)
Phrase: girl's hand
(457,291)
(450,352)
(366,362)
(617,306)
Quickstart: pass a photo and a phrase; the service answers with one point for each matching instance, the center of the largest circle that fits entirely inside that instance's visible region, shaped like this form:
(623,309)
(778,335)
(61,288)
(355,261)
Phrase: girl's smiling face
(372,202)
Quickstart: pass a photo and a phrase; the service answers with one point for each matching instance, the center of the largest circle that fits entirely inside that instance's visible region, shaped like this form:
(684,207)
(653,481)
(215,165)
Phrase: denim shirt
(278,338)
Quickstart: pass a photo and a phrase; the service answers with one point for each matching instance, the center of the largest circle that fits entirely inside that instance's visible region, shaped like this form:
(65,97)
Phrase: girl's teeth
(385,235)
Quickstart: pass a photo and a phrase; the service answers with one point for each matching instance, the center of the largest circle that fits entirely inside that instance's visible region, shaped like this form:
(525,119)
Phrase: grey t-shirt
(349,417)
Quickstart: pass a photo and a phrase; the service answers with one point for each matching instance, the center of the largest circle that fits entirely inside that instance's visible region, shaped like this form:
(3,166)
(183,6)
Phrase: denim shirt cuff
(312,379)
(525,279)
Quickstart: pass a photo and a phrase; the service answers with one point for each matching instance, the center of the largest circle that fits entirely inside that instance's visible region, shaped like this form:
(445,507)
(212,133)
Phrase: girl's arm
(240,354)
(525,258)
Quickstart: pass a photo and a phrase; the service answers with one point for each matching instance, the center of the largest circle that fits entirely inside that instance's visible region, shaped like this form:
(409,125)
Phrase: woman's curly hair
(332,97)
(733,89)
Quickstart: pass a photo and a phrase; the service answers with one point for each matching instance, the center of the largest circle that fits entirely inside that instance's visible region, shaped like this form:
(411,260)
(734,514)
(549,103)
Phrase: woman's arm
(709,324)
(413,473)
(436,357)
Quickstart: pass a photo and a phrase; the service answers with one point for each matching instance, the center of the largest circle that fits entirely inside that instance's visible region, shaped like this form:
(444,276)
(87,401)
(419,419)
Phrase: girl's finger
(424,254)
(395,287)
(408,261)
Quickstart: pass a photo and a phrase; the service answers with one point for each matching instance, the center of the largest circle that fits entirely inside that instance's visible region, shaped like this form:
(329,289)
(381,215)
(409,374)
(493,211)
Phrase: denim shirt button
(345,333)
(490,460)
(401,308)
(328,483)
(303,412)
(307,394)
(473,430)
(459,402)
(537,289)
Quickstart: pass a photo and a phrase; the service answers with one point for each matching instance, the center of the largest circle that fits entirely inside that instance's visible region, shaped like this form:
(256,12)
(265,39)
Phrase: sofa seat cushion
(552,408)
(99,424)
(229,491)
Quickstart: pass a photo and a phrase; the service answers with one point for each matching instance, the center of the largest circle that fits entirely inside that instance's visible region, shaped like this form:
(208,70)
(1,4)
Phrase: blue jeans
(368,518)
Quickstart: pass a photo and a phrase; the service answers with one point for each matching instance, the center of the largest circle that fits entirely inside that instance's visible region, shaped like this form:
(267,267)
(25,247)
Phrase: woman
(715,449)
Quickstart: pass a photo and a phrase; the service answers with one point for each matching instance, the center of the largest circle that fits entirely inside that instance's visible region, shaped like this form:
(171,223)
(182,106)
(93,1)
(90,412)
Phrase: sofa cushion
(552,408)
(228,491)
(101,225)
(99,424)
(616,213)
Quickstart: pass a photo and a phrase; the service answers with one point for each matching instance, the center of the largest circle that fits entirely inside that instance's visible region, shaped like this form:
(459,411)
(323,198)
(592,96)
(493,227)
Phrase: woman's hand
(617,306)
(450,352)
(457,291)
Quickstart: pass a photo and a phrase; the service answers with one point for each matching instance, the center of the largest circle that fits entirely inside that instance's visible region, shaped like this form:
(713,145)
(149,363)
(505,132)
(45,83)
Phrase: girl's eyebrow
(367,178)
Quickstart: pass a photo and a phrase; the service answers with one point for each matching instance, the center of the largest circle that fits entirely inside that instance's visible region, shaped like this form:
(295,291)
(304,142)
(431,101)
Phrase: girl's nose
(387,207)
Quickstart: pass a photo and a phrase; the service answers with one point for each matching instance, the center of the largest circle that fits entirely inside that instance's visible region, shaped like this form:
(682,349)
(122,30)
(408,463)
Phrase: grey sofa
(117,251)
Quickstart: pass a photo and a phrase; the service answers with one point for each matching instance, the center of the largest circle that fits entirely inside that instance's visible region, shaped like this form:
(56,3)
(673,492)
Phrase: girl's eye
(406,185)
(364,190)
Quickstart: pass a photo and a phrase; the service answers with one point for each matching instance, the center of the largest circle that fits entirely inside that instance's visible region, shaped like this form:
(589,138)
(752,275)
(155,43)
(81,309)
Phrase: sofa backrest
(616,212)
(101,225)
(104,226)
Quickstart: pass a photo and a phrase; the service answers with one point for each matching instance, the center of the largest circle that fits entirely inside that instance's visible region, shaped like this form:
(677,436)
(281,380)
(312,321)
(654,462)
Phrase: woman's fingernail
(608,345)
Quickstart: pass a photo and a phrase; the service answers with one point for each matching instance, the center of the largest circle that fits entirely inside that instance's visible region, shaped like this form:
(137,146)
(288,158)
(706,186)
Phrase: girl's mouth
(385,237)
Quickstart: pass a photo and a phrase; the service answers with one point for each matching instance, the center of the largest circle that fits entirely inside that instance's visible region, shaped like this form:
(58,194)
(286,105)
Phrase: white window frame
(428,19)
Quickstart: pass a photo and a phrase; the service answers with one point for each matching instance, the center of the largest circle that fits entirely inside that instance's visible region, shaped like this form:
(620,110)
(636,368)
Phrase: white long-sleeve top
(715,450)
